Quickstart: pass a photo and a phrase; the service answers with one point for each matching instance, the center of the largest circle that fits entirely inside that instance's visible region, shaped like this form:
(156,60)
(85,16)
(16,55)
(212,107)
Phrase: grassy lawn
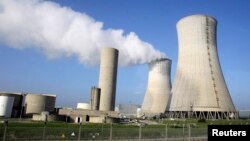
(61,130)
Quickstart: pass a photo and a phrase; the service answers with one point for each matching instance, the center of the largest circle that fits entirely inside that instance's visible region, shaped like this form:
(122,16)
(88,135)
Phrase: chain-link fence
(47,132)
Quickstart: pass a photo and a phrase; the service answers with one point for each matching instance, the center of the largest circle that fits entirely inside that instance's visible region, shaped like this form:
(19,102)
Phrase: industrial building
(107,78)
(93,116)
(199,89)
(157,96)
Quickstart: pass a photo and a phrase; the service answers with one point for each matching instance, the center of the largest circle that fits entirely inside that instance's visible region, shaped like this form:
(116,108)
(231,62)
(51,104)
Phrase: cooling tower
(199,89)
(158,91)
(107,78)
(95,98)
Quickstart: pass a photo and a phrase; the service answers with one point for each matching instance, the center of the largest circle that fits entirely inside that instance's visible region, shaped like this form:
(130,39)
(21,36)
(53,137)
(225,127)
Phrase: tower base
(203,114)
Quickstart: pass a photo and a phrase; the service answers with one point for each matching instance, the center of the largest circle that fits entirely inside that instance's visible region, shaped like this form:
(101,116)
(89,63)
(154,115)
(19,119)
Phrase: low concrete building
(83,115)
(45,116)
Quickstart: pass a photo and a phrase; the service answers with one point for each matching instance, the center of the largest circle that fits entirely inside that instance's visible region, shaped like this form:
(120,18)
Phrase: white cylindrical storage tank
(157,95)
(107,78)
(84,106)
(199,85)
(17,104)
(95,98)
(37,103)
(6,105)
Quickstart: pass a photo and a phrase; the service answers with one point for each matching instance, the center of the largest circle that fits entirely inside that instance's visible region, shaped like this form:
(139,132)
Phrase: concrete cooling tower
(199,89)
(158,91)
(107,78)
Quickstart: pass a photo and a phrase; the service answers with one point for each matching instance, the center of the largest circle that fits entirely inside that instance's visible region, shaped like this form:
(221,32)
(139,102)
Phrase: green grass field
(59,130)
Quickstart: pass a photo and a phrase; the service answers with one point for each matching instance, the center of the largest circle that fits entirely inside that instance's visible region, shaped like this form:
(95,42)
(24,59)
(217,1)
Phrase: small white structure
(85,106)
(6,104)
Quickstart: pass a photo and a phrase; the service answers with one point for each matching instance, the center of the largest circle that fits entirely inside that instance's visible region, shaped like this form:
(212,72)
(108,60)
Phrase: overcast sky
(53,46)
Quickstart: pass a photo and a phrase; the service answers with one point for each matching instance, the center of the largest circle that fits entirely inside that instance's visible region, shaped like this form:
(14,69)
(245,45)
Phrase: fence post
(183,131)
(110,135)
(102,132)
(166,135)
(44,130)
(139,132)
(189,132)
(5,129)
(80,130)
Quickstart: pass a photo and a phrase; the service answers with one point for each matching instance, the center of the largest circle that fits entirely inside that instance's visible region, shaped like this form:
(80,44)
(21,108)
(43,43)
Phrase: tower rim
(195,15)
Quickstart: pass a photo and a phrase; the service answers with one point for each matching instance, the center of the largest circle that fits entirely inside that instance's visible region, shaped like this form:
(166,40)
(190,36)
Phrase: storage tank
(157,96)
(17,103)
(6,105)
(37,103)
(107,78)
(95,98)
(199,88)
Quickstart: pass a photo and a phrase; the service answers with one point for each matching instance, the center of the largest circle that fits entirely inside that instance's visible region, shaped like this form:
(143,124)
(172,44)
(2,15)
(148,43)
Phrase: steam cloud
(59,31)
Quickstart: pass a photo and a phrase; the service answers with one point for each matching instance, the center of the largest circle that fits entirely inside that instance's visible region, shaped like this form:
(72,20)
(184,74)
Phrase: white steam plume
(59,31)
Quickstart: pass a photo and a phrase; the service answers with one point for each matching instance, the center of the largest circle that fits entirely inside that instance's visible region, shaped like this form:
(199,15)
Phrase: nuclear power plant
(107,78)
(159,86)
(199,89)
